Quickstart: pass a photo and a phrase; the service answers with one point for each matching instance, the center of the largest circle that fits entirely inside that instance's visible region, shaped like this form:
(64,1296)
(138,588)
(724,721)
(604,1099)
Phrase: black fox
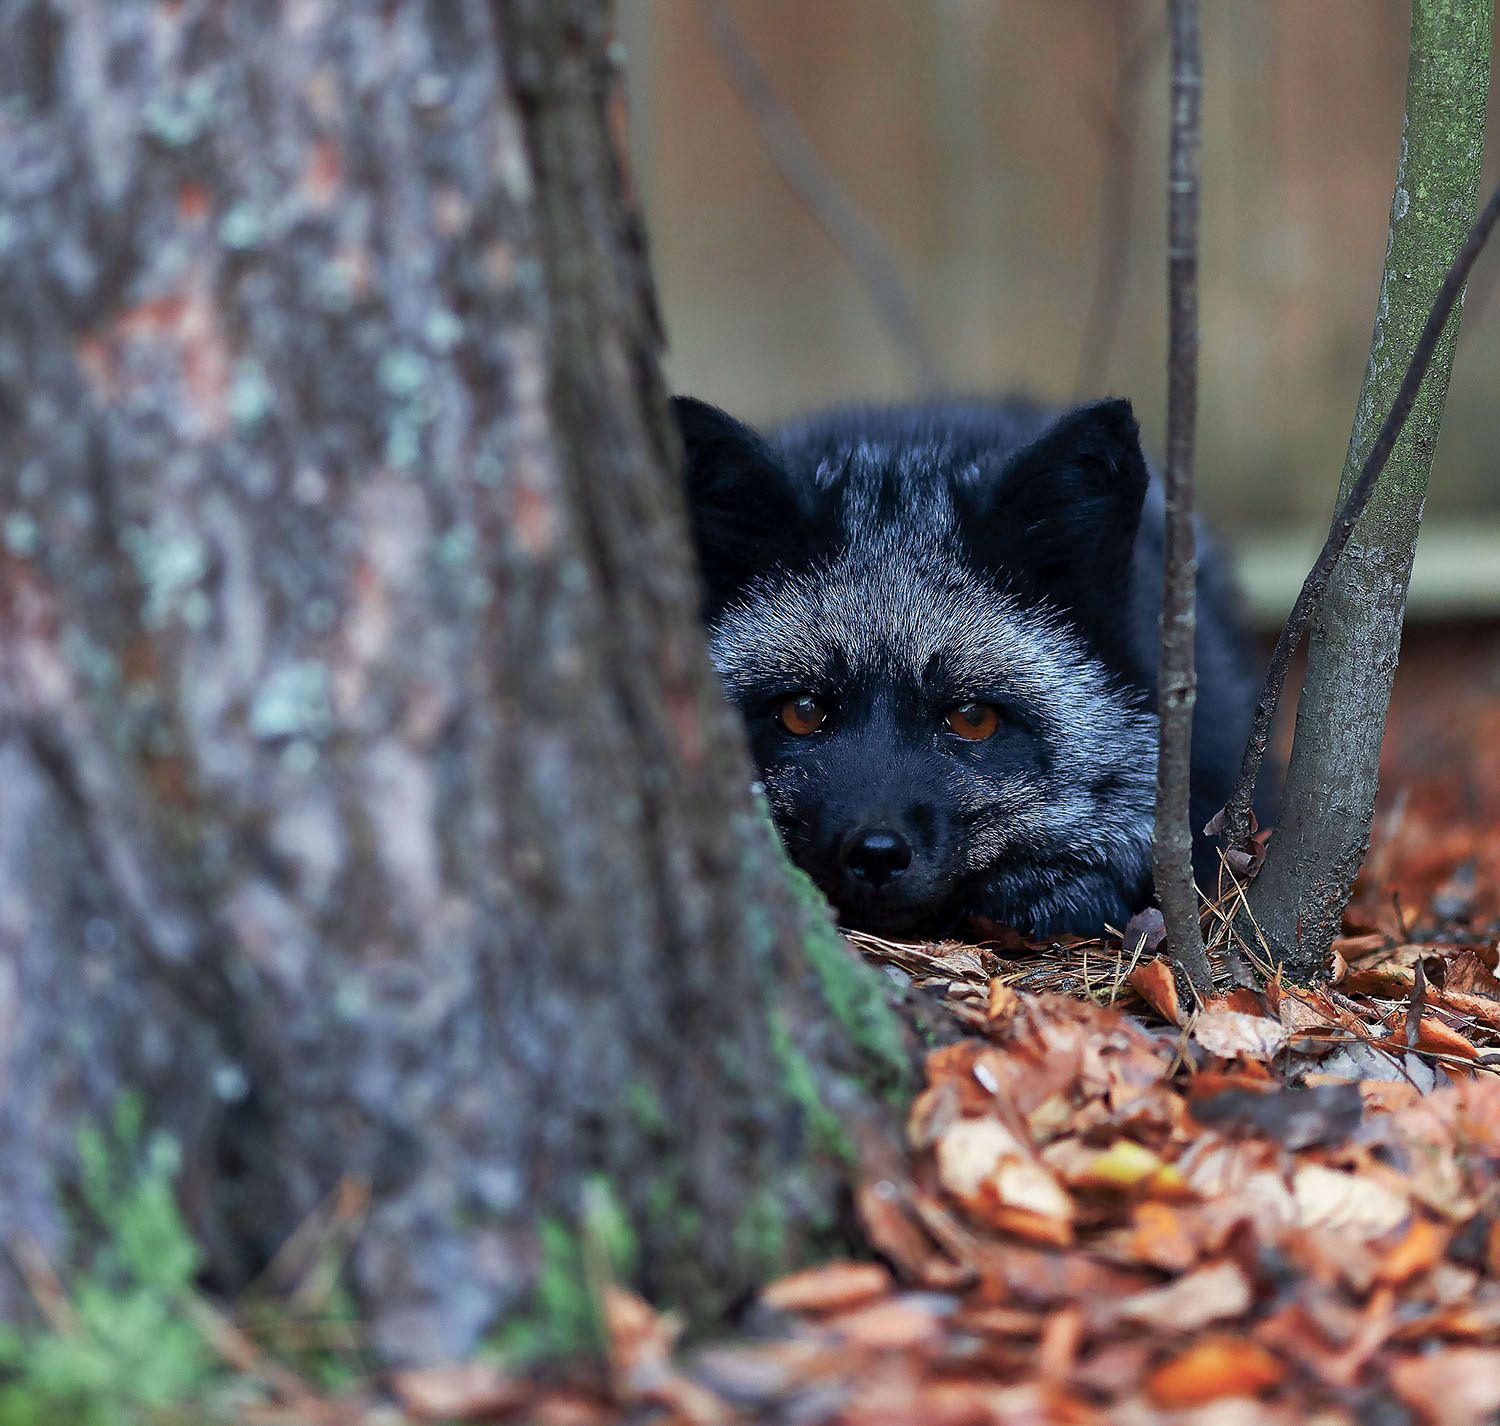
(939,622)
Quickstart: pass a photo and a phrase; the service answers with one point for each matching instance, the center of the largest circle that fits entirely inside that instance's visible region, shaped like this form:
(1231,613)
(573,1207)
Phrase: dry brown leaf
(1232,1035)
(832,1287)
(470,1392)
(1061,1337)
(1213,1369)
(1155,984)
(1159,1235)
(969,1151)
(1439,1039)
(1353,948)
(1466,974)
(1211,1294)
(1329,1199)
(1031,1187)
(1003,1001)
(1033,1227)
(892,1325)
(1457,1387)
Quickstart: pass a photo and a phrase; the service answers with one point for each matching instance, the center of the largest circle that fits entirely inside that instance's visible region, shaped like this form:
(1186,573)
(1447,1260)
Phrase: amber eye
(974,721)
(802,714)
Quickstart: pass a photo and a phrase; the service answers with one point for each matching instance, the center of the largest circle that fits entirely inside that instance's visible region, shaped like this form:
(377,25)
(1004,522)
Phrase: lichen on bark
(370,805)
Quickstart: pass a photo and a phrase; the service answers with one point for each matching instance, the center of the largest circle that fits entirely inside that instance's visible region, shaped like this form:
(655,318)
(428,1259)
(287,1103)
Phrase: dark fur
(896,562)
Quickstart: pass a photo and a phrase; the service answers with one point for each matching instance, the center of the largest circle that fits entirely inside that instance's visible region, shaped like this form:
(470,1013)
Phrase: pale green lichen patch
(443,330)
(169,568)
(402,372)
(241,227)
(293,702)
(251,395)
(179,118)
(20,534)
(405,376)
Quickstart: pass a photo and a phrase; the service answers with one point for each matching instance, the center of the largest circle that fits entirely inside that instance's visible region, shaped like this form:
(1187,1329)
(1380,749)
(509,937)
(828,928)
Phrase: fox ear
(1061,514)
(745,508)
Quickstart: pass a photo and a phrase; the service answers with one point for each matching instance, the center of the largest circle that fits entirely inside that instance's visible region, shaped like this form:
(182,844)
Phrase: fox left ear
(748,514)
(1060,516)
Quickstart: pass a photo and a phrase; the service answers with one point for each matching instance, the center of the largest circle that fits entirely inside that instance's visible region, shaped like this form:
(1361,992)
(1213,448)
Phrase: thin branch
(1116,208)
(808,177)
(1177,679)
(1237,812)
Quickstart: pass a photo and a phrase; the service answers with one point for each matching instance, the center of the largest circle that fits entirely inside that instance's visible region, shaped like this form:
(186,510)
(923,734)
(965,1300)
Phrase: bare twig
(1116,209)
(1177,683)
(45,1287)
(808,177)
(1237,813)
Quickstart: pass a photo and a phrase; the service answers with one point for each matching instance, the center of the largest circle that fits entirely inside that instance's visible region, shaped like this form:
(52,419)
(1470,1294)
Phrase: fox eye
(802,714)
(974,721)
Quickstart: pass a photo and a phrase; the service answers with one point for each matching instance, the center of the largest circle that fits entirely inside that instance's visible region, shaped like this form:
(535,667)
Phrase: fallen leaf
(892,1325)
(830,1288)
(1124,1165)
(1418,1250)
(1155,984)
(1329,1199)
(470,1392)
(1159,1235)
(1144,932)
(1209,1295)
(1436,1038)
(1468,975)
(1213,1369)
(1457,1387)
(881,1206)
(969,1151)
(1232,1035)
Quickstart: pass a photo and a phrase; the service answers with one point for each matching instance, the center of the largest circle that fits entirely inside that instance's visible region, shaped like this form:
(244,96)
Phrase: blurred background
(862,198)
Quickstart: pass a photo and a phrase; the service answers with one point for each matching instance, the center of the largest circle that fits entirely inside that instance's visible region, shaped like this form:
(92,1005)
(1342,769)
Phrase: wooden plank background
(975,136)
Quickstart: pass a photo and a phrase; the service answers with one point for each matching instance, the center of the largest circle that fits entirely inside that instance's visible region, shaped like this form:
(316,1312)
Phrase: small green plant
(126,1351)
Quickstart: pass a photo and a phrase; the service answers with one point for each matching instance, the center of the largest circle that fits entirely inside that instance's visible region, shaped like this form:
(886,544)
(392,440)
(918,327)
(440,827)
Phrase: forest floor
(1119,1208)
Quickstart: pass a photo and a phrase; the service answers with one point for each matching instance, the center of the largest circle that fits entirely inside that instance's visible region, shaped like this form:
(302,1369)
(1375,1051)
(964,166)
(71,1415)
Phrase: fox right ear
(745,508)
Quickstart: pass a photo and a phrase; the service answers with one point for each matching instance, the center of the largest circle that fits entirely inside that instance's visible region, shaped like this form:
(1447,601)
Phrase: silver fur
(888,601)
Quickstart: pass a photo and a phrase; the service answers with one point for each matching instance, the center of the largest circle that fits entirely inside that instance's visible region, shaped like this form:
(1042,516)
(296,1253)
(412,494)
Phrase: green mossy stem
(1328,805)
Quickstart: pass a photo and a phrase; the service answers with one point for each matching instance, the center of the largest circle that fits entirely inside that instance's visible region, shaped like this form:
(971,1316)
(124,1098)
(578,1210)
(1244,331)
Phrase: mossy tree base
(370,807)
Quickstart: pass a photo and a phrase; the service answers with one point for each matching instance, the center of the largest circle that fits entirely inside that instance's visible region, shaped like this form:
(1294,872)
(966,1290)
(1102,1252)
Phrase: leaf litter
(1281,1206)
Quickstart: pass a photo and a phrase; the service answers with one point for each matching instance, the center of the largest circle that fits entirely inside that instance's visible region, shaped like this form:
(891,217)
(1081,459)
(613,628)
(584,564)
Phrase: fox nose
(876,855)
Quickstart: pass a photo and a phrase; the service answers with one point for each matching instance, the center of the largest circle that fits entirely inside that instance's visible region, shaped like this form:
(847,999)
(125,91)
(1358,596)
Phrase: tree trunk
(1323,830)
(368,802)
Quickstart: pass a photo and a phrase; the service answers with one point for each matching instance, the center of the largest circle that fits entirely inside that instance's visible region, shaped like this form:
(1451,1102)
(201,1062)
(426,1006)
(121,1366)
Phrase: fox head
(926,619)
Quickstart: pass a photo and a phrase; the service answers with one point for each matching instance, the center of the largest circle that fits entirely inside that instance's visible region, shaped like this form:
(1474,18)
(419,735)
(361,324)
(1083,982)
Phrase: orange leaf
(1033,1227)
(1153,982)
(1159,1236)
(1212,1369)
(1419,1249)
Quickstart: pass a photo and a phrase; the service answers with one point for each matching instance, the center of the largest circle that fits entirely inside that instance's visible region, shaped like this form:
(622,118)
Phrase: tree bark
(1177,673)
(369,804)
(1323,830)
